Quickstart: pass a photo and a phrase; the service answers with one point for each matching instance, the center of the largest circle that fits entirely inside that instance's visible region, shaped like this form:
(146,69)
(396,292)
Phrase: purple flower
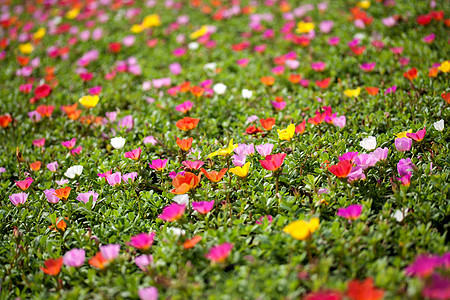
(111,251)
(74,258)
(148,293)
(403,144)
(351,212)
(143,261)
(405,166)
(51,197)
(84,197)
(438,287)
(18,198)
(52,166)
(264,149)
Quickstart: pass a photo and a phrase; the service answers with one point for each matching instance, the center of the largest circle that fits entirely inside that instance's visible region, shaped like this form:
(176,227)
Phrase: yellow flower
(402,134)
(137,28)
(301,230)
(201,32)
(445,66)
(363,4)
(26,48)
(286,134)
(151,21)
(304,27)
(241,171)
(225,151)
(89,101)
(39,34)
(352,93)
(72,14)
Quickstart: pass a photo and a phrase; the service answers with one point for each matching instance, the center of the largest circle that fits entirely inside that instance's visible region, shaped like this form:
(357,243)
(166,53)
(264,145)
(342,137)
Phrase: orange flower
(364,290)
(432,72)
(446,97)
(268,80)
(192,242)
(214,176)
(279,99)
(411,74)
(268,123)
(185,144)
(74,115)
(35,166)
(295,78)
(185,86)
(61,225)
(52,266)
(70,108)
(63,193)
(187,123)
(184,183)
(197,91)
(372,90)
(5,120)
(98,261)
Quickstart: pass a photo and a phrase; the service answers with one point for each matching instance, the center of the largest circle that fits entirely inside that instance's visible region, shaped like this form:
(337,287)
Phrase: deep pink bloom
(51,196)
(105,174)
(172,212)
(95,90)
(417,136)
(405,179)
(323,295)
(184,107)
(142,241)
(76,151)
(110,251)
(351,212)
(318,66)
(84,197)
(134,154)
(278,105)
(350,156)
(203,207)
(39,142)
(403,144)
(193,165)
(367,67)
(438,287)
(261,220)
(69,144)
(114,179)
(273,162)
(74,258)
(405,166)
(174,174)
(219,253)
(18,198)
(423,265)
(24,184)
(158,164)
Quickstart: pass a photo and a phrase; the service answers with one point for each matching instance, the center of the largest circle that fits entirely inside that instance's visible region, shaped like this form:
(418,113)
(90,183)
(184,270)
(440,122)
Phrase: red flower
(187,123)
(5,120)
(342,169)
(424,19)
(323,295)
(372,90)
(411,74)
(45,110)
(115,47)
(437,15)
(364,290)
(273,162)
(253,129)
(300,128)
(417,136)
(445,96)
(318,118)
(268,123)
(52,266)
(358,50)
(42,91)
(323,84)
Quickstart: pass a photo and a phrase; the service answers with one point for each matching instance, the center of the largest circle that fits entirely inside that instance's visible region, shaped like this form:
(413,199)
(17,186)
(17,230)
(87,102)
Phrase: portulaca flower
(182,199)
(193,46)
(400,215)
(118,142)
(439,125)
(219,88)
(73,171)
(210,66)
(247,94)
(369,143)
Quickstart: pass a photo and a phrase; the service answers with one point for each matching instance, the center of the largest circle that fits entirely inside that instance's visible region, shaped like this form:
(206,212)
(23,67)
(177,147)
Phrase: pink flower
(24,184)
(110,252)
(84,197)
(184,107)
(367,67)
(51,196)
(351,212)
(39,142)
(52,166)
(134,154)
(114,179)
(142,241)
(340,121)
(333,41)
(437,288)
(326,26)
(95,90)
(69,144)
(405,166)
(243,62)
(423,265)
(239,160)
(429,38)
(203,207)
(417,136)
(128,176)
(158,164)
(365,161)
(18,198)
(403,144)
(278,105)
(261,220)
(318,66)
(175,68)
(76,151)
(219,253)
(74,258)
(149,140)
(172,212)
(126,122)
(143,261)
(264,149)
(380,153)
(193,165)
(148,293)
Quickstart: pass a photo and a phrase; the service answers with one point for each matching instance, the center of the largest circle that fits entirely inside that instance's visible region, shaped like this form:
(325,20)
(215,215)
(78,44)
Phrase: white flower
(193,46)
(369,143)
(439,125)
(118,142)
(176,231)
(182,199)
(400,215)
(210,66)
(219,88)
(73,170)
(360,36)
(246,94)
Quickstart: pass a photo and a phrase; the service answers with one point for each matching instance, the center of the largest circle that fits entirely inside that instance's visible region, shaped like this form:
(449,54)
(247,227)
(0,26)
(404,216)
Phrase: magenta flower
(51,197)
(158,164)
(278,105)
(126,122)
(74,258)
(429,38)
(219,253)
(39,142)
(417,136)
(318,66)
(403,144)
(351,212)
(114,179)
(367,67)
(423,265)
(148,293)
(143,261)
(172,212)
(405,179)
(84,197)
(142,241)
(24,184)
(390,90)
(405,166)
(52,166)
(184,107)
(69,144)
(174,174)
(333,41)
(203,207)
(129,176)
(350,156)
(96,90)
(134,154)
(193,165)
(18,198)
(264,149)
(438,287)
(261,220)
(110,251)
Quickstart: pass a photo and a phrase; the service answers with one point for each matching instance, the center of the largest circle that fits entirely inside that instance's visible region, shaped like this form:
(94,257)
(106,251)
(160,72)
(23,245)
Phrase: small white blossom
(439,125)
(118,142)
(369,143)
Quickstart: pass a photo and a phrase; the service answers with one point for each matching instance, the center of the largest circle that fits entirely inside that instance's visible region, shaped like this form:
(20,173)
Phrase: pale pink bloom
(110,251)
(264,149)
(148,293)
(143,261)
(114,179)
(74,258)
(51,197)
(18,198)
(129,176)
(85,197)
(193,165)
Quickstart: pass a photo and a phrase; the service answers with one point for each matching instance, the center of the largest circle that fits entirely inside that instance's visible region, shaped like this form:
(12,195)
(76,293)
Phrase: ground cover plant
(224,149)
